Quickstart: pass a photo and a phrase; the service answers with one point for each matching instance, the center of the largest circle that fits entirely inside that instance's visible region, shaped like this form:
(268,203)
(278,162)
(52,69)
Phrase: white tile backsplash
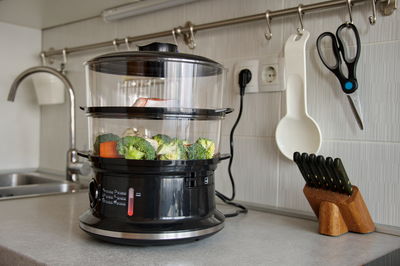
(262,174)
(20,120)
(378,89)
(254,169)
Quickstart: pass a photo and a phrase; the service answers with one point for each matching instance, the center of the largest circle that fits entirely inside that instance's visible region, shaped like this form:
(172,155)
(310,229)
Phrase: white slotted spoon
(297,131)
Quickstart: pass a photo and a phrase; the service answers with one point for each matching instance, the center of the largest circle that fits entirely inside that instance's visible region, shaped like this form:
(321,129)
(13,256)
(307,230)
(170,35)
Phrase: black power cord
(244,79)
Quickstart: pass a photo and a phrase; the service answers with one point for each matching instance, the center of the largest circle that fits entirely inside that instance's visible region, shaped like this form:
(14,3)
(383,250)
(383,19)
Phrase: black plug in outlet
(244,79)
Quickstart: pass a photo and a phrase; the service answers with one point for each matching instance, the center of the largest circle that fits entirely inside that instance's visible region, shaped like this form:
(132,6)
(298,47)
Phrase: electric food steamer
(154,131)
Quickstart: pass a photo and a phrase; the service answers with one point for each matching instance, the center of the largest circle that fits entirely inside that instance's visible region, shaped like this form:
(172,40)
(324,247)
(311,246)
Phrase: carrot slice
(109,149)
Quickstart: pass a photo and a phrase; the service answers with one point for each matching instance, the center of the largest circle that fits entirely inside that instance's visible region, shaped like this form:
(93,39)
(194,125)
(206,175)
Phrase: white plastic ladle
(297,131)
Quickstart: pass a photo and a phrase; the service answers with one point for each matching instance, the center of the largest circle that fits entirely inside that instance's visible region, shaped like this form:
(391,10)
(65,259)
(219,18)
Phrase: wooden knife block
(338,213)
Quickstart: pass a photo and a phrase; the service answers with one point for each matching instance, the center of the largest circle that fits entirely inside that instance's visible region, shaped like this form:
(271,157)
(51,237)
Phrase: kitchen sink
(20,179)
(30,184)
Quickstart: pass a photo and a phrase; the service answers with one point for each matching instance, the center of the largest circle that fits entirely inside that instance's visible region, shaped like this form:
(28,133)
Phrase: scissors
(349,84)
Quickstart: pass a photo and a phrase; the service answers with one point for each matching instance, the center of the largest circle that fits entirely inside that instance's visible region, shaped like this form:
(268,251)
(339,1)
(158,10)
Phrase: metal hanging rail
(386,6)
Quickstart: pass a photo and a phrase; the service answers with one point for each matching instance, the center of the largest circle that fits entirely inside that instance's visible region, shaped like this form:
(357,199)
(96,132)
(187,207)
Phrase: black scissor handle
(336,67)
(348,84)
(342,48)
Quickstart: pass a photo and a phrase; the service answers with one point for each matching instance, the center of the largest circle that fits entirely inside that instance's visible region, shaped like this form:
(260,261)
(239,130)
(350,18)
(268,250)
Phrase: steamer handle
(224,156)
(84,154)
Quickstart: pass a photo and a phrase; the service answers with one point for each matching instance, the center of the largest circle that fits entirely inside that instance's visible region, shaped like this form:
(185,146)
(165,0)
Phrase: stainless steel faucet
(74,167)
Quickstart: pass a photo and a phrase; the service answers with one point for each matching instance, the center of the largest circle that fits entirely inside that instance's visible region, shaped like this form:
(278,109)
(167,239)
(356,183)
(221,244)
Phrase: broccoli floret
(207,144)
(135,148)
(153,143)
(103,138)
(196,152)
(182,144)
(174,150)
(162,139)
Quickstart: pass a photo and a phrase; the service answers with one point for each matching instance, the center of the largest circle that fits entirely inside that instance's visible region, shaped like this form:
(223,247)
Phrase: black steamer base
(138,202)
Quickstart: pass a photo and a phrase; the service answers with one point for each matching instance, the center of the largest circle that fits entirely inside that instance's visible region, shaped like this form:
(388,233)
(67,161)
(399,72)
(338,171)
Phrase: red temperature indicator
(131,200)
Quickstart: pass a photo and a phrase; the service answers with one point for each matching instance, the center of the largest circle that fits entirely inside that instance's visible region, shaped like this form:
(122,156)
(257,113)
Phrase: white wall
(20,120)
(263,175)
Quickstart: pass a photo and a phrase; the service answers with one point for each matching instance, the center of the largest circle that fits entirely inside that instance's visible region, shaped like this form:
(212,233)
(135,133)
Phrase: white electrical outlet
(266,74)
(271,74)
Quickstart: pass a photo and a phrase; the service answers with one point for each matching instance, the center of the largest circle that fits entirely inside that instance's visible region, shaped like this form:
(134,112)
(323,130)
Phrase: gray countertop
(45,230)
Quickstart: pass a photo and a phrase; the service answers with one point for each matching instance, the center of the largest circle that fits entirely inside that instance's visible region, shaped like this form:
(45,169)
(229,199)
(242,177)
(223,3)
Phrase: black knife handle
(304,159)
(336,179)
(321,175)
(297,160)
(312,161)
(339,168)
(313,173)
(324,170)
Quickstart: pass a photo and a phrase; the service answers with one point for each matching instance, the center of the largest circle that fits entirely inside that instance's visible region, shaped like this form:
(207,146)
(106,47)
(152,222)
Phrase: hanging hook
(372,19)
(189,37)
(174,32)
(64,63)
(348,2)
(43,57)
(115,44)
(127,43)
(192,42)
(268,34)
(300,12)
(64,52)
